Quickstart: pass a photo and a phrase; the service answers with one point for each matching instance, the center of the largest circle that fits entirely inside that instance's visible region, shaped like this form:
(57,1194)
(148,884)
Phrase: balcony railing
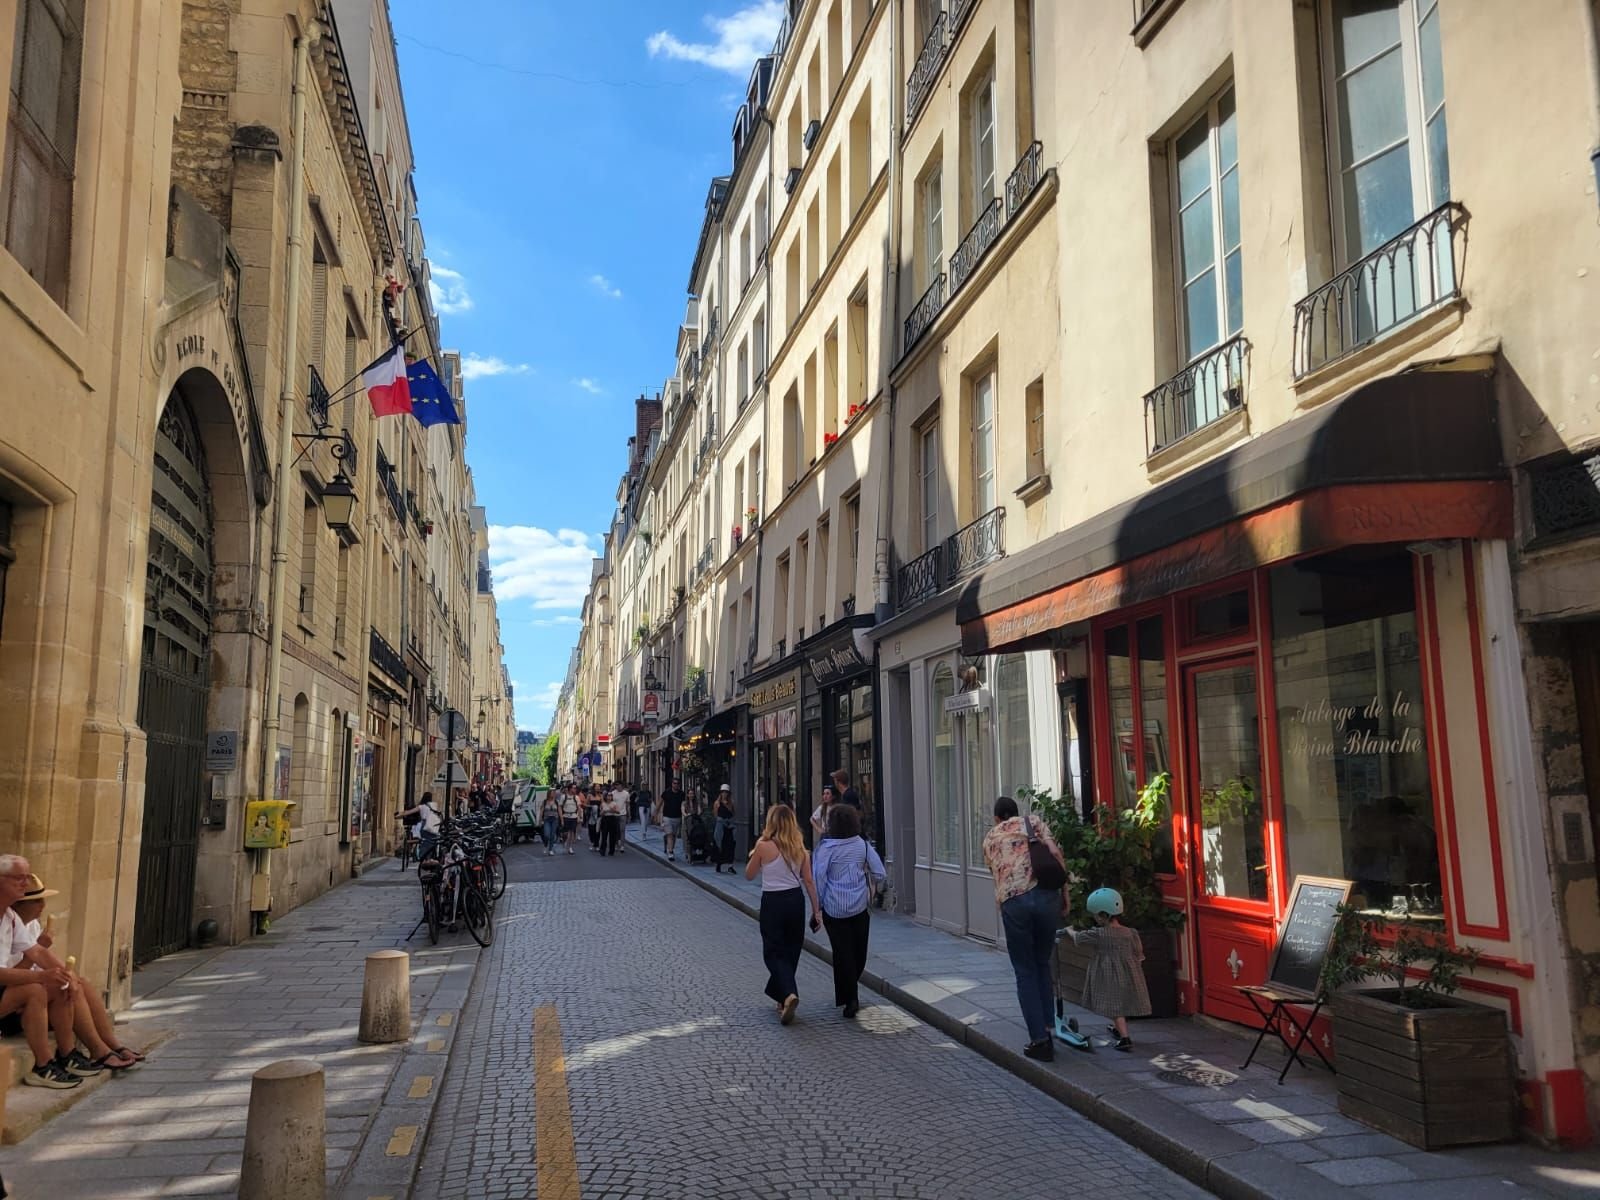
(317,401)
(1409,275)
(707,342)
(972,546)
(960,10)
(976,244)
(387,658)
(391,488)
(1024,179)
(926,70)
(1208,389)
(344,450)
(923,314)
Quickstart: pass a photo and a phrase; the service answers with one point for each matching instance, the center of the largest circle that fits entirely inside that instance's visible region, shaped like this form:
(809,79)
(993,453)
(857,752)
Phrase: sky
(563,157)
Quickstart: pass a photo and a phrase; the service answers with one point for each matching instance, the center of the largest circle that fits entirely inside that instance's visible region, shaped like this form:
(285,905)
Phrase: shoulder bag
(1048,872)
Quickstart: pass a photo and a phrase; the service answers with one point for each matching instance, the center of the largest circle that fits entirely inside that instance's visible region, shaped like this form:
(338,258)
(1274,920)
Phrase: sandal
(126,1053)
(111,1062)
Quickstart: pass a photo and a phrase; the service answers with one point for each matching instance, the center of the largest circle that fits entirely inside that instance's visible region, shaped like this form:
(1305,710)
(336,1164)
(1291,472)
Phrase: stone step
(28,1108)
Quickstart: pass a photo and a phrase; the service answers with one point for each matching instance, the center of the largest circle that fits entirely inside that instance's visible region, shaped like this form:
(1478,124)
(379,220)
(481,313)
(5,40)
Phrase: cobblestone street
(683,1084)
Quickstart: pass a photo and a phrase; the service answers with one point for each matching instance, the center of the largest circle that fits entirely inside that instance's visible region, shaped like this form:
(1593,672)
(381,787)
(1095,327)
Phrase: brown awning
(1411,457)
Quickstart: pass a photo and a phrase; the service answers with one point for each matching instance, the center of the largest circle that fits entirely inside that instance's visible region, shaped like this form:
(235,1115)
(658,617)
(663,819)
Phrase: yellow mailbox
(266,824)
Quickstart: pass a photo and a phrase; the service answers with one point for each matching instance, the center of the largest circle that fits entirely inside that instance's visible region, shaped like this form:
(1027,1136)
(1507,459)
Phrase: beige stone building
(188,620)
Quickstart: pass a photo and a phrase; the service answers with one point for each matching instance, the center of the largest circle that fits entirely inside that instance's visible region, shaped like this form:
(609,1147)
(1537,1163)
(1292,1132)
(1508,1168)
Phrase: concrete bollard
(386,997)
(285,1136)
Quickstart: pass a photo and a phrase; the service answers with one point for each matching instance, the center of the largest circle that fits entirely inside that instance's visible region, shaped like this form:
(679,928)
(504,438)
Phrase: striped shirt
(841,867)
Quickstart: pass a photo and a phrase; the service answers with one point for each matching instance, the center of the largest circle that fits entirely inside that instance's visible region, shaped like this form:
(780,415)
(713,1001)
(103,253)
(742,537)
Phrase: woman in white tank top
(781,860)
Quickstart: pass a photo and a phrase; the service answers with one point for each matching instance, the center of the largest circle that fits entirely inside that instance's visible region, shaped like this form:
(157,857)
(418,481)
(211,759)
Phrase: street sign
(222,750)
(451,775)
(453,724)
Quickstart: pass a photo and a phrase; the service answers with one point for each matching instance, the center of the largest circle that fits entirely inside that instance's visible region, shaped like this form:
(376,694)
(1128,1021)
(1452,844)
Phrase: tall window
(928,484)
(932,227)
(311,519)
(982,118)
(319,308)
(341,617)
(1034,412)
(1206,159)
(984,495)
(946,817)
(1387,82)
(42,140)
(1016,741)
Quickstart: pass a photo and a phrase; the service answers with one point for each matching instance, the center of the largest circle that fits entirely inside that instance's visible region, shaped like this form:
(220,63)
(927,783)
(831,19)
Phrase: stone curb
(1213,1156)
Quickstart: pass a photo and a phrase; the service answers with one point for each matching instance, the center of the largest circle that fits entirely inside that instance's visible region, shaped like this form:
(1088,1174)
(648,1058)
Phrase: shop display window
(946,816)
(1357,797)
(1016,742)
(1137,697)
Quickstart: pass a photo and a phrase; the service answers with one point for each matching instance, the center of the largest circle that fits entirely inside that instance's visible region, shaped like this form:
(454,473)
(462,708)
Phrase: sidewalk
(175,1126)
(1180,1096)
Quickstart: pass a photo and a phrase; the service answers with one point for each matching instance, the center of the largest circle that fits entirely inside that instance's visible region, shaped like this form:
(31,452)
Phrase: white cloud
(553,622)
(740,39)
(449,290)
(589,385)
(551,569)
(474,366)
(605,287)
(534,710)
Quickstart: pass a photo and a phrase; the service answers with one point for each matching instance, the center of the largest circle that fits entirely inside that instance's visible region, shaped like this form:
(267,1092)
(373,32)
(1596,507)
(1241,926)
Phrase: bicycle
(452,895)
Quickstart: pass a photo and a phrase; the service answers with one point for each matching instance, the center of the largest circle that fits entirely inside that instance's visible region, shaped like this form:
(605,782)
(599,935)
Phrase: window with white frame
(928,483)
(983,486)
(1386,84)
(932,200)
(982,117)
(1205,162)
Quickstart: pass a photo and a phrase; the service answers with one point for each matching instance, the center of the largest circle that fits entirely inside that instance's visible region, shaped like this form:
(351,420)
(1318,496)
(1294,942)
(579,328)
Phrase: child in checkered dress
(1115,985)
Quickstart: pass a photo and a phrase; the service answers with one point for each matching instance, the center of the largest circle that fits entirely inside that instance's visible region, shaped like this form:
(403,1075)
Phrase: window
(946,817)
(982,134)
(758,343)
(1141,740)
(744,373)
(319,308)
(835,214)
(850,547)
(1011,706)
(42,140)
(341,617)
(1357,798)
(352,353)
(1387,81)
(310,526)
(983,486)
(927,13)
(780,599)
(856,350)
(860,150)
(820,583)
(932,200)
(830,382)
(928,484)
(1033,413)
(1206,180)
(744,256)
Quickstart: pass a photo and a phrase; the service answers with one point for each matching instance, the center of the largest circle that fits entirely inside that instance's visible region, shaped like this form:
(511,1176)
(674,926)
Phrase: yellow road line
(420,1087)
(402,1141)
(554,1150)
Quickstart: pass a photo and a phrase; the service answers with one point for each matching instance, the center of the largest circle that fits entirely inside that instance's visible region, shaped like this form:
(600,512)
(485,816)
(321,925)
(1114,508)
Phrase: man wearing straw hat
(91,1022)
(35,1002)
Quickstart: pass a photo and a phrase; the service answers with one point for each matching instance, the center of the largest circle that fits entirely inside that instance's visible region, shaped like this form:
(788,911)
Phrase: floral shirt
(1005,849)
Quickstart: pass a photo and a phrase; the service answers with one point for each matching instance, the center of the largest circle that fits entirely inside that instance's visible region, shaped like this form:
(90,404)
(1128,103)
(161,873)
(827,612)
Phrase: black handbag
(1048,872)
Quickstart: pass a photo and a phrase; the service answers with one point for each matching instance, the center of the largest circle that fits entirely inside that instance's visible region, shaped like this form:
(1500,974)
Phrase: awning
(1407,458)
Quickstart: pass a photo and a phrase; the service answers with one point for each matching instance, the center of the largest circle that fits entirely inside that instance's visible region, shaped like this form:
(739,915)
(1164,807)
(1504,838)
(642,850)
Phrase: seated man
(34,1002)
(91,1022)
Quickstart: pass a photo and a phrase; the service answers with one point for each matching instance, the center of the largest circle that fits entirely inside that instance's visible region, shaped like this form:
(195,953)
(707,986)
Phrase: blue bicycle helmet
(1105,900)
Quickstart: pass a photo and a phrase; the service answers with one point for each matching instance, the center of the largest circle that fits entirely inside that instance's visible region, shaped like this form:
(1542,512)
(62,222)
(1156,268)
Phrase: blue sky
(563,156)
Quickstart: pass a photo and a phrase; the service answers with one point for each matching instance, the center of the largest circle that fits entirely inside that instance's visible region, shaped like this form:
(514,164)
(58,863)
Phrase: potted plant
(677,594)
(750,517)
(1116,848)
(1416,1061)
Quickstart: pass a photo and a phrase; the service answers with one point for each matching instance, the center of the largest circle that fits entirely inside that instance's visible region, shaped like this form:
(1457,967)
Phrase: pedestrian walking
(646,805)
(1115,984)
(671,818)
(1030,910)
(819,815)
(722,830)
(612,812)
(781,860)
(550,814)
(569,819)
(591,817)
(847,870)
(620,800)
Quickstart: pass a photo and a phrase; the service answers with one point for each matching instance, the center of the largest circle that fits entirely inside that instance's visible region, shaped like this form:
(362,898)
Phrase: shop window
(1016,744)
(1227,748)
(1137,700)
(1357,797)
(946,816)
(1219,615)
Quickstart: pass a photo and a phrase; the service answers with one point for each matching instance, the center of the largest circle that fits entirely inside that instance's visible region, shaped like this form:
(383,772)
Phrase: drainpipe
(1591,25)
(891,292)
(286,402)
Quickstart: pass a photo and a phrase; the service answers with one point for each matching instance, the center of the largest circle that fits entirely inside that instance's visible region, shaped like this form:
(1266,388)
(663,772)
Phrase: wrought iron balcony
(960,10)
(391,488)
(1208,389)
(344,451)
(985,230)
(1565,495)
(926,70)
(709,341)
(972,546)
(387,658)
(317,401)
(1024,179)
(924,313)
(1411,274)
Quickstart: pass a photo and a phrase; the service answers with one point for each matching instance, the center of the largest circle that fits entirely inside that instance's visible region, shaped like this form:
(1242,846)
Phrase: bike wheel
(430,909)
(479,923)
(495,867)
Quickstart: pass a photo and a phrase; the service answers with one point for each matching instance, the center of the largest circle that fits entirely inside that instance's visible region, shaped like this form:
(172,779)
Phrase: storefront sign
(1348,515)
(1324,729)
(222,750)
(967,701)
(775,692)
(840,661)
(650,710)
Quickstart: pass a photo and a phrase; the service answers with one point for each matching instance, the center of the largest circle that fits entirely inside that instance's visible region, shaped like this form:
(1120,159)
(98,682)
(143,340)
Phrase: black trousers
(594,835)
(610,834)
(783,935)
(722,852)
(848,937)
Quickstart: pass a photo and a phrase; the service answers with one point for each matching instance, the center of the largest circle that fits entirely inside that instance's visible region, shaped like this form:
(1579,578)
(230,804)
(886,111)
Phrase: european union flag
(431,402)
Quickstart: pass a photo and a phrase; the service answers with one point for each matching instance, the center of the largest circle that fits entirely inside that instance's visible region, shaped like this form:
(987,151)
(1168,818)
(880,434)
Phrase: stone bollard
(386,997)
(285,1138)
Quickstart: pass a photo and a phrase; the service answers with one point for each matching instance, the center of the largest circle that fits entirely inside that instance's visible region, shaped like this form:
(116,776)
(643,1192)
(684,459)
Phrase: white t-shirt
(569,805)
(428,823)
(15,939)
(619,802)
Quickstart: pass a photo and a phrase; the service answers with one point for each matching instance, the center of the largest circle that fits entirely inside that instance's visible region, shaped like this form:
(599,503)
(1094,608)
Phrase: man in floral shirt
(1030,915)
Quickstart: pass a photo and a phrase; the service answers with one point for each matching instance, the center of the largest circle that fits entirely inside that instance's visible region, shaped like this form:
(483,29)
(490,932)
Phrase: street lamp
(338,502)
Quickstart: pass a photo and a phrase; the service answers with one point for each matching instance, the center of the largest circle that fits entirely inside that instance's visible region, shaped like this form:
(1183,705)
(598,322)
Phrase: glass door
(978,792)
(1228,843)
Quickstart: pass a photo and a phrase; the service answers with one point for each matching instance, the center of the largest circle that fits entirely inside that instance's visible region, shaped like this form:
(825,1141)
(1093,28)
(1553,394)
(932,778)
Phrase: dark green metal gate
(173,684)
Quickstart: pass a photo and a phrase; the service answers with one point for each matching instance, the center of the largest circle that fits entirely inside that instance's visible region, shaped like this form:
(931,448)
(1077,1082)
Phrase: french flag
(386,384)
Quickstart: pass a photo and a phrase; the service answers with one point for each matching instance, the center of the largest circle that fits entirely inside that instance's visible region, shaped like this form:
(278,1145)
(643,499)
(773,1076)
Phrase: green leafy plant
(693,675)
(1112,849)
(1361,950)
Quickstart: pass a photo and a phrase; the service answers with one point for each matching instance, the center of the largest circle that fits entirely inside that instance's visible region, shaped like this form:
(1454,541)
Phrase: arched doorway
(174,668)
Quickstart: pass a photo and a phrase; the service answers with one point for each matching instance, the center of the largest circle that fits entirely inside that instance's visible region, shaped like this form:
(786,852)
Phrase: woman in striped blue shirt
(846,869)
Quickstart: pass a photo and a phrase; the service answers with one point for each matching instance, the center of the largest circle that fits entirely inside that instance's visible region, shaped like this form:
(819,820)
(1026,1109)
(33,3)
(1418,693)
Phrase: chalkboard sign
(1307,930)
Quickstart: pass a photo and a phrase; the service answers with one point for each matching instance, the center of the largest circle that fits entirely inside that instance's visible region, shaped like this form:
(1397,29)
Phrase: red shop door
(1228,846)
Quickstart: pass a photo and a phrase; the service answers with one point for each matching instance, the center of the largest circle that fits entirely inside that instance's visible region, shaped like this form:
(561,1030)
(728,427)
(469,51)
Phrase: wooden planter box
(1160,971)
(1439,1076)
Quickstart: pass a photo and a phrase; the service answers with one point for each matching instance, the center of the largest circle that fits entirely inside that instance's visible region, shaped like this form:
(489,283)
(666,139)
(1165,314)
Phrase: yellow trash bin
(266,824)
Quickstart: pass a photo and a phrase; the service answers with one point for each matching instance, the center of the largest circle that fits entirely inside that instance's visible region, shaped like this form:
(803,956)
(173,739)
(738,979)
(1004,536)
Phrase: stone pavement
(1180,1096)
(682,1085)
(175,1126)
